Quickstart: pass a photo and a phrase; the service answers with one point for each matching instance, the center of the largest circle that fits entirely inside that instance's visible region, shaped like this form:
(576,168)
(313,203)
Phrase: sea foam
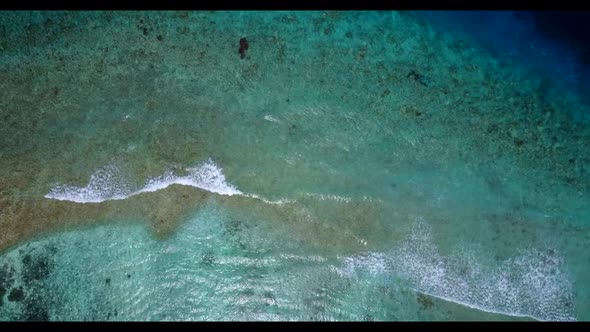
(529,284)
(108,183)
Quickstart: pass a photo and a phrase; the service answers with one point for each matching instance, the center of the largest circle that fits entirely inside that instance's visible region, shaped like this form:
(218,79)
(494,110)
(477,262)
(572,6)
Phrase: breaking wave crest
(107,183)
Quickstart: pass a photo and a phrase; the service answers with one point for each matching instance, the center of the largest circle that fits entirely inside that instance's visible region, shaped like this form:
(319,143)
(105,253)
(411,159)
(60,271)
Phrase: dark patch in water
(16,295)
(128,276)
(35,267)
(243,47)
(108,281)
(417,77)
(425,301)
(566,27)
(242,246)
(270,298)
(6,273)
(6,279)
(248,292)
(234,227)
(35,309)
(208,258)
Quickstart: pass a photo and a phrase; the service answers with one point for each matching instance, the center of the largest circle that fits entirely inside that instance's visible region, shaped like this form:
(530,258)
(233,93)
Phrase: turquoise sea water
(353,166)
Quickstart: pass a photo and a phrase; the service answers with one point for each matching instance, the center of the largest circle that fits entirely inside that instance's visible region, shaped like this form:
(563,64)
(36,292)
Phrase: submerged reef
(343,131)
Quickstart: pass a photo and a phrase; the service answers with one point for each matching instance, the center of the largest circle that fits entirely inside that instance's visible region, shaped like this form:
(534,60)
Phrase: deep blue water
(554,44)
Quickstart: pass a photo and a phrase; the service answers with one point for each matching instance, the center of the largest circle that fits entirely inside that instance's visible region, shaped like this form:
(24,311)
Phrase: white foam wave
(530,284)
(329,197)
(338,198)
(271,119)
(267,201)
(108,183)
(206,176)
(372,262)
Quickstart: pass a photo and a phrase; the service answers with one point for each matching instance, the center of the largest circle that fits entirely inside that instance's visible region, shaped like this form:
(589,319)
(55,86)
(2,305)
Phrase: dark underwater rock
(16,295)
(35,310)
(243,47)
(35,267)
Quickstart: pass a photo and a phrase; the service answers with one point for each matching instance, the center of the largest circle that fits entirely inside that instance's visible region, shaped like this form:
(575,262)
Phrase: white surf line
(338,198)
(272,119)
(324,197)
(476,307)
(107,183)
(277,202)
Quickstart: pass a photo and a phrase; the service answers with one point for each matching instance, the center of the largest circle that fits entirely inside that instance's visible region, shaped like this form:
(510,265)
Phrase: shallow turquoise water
(221,268)
(354,166)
